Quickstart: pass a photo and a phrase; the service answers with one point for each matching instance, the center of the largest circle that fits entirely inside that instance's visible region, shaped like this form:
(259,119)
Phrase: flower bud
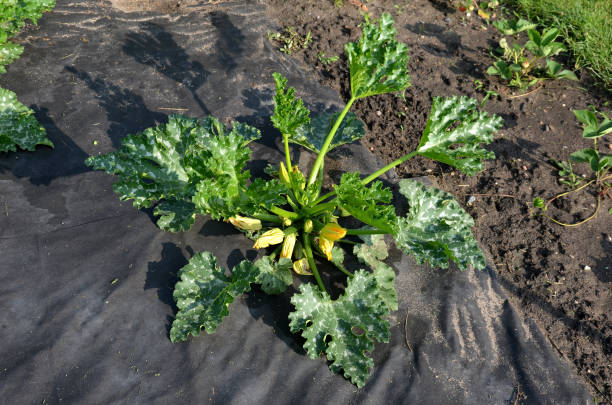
(301,267)
(332,232)
(296,170)
(272,237)
(308,226)
(326,247)
(283,174)
(286,222)
(525,64)
(288,245)
(248,224)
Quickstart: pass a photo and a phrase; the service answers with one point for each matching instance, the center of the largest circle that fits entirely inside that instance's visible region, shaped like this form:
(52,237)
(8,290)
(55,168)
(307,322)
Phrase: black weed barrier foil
(86,280)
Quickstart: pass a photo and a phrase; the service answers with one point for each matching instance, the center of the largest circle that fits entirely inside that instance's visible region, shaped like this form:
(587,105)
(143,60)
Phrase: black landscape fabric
(86,280)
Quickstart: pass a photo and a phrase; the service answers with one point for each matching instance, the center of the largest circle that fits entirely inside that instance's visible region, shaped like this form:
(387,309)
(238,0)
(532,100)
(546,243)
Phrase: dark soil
(559,276)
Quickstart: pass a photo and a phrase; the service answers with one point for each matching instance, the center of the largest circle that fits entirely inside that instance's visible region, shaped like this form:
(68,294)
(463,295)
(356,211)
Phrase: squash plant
(18,126)
(191,167)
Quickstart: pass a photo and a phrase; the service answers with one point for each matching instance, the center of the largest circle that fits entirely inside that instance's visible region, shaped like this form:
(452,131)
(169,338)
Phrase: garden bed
(87,279)
(559,276)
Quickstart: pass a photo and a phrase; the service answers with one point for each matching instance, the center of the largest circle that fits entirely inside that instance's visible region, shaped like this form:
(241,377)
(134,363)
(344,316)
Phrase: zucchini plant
(191,167)
(18,126)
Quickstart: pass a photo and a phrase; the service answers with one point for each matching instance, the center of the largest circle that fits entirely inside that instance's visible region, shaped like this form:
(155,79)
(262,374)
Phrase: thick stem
(320,208)
(268,217)
(388,167)
(338,266)
(319,162)
(323,198)
(311,263)
(287,154)
(365,232)
(283,213)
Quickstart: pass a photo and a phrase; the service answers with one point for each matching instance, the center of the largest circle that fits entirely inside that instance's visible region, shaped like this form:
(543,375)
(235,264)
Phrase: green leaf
(436,228)
(289,111)
(500,68)
(18,126)
(535,37)
(204,293)
(175,215)
(368,204)
(192,166)
(377,61)
(274,277)
(372,252)
(353,322)
(588,155)
(549,35)
(312,136)
(337,256)
(14,14)
(9,52)
(587,117)
(538,203)
(511,27)
(454,132)
(605,161)
(554,70)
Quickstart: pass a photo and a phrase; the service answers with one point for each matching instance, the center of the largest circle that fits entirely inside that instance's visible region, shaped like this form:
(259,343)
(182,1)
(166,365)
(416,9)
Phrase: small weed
(290,40)
(566,173)
(325,60)
(479,85)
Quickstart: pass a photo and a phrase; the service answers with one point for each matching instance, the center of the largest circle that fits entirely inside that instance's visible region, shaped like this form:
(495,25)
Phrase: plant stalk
(321,156)
(388,167)
(366,232)
(284,213)
(311,263)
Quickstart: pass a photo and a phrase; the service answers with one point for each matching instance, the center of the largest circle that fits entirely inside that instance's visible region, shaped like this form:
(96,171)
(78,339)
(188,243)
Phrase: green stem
(311,263)
(267,217)
(320,208)
(388,167)
(323,198)
(350,242)
(365,232)
(319,162)
(338,266)
(283,213)
(287,155)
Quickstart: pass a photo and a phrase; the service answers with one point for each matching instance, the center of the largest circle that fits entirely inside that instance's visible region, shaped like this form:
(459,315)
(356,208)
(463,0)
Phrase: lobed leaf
(367,204)
(312,136)
(204,293)
(190,167)
(274,277)
(9,52)
(436,228)
(18,126)
(289,111)
(454,132)
(372,252)
(377,61)
(353,322)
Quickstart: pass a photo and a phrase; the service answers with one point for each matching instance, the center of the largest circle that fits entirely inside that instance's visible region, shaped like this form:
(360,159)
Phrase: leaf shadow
(44,165)
(155,47)
(450,39)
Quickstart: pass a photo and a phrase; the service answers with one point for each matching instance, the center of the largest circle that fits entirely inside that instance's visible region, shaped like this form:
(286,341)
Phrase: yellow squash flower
(326,247)
(301,267)
(283,174)
(288,245)
(272,237)
(332,232)
(248,224)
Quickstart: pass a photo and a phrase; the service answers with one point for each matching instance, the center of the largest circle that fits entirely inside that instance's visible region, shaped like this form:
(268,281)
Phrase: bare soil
(560,276)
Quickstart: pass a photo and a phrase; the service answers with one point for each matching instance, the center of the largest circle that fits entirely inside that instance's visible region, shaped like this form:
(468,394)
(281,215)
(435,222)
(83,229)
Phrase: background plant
(290,40)
(191,167)
(18,126)
(525,65)
(585,26)
(599,163)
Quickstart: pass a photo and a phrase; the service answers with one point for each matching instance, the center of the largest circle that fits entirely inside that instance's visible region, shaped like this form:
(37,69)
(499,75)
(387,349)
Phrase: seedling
(522,65)
(479,85)
(566,173)
(290,40)
(191,167)
(326,60)
(600,164)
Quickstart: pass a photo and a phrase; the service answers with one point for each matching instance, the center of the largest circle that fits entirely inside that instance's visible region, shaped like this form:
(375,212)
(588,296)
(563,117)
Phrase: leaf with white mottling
(204,293)
(18,126)
(436,229)
(353,322)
